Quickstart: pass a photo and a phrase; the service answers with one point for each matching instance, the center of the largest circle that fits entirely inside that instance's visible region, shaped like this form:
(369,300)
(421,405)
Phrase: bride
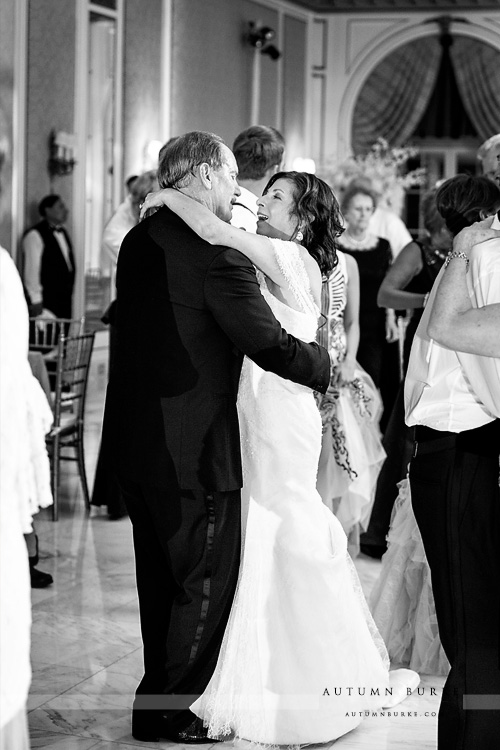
(301,657)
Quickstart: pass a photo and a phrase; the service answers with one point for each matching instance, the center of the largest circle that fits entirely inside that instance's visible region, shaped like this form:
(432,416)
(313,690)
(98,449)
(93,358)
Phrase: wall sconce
(61,153)
(259,37)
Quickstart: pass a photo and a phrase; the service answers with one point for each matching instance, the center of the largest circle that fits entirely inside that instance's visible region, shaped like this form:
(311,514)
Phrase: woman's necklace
(353,239)
(367,242)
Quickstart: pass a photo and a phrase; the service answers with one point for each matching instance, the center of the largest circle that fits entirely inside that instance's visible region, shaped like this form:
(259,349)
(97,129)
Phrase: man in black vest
(187,311)
(49,264)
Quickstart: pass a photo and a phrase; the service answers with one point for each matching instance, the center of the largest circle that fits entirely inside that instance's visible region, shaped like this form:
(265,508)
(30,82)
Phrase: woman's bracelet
(452,255)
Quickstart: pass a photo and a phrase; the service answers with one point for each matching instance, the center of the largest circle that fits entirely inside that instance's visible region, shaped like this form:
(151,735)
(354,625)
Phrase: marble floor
(86,645)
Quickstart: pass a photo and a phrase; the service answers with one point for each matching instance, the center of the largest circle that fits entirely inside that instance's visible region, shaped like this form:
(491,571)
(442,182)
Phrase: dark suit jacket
(186,313)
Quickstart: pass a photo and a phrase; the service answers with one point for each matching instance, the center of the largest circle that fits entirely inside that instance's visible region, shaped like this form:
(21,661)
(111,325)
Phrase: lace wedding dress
(301,656)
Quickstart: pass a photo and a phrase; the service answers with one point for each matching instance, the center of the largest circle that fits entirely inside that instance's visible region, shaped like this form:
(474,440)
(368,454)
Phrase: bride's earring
(299,236)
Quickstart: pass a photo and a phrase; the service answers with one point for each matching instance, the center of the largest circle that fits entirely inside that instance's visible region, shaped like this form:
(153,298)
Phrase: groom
(187,311)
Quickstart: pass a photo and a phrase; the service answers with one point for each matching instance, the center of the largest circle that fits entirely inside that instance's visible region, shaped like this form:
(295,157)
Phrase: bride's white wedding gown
(301,656)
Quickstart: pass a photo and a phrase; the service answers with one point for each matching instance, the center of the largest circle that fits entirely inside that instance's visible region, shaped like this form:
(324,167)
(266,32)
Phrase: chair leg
(55,479)
(81,468)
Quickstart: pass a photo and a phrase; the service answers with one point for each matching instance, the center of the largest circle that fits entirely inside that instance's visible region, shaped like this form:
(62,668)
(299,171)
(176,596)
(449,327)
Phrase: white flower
(384,167)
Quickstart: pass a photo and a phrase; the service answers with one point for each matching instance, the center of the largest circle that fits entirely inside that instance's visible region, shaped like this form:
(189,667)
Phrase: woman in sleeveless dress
(301,658)
(405,287)
(351,451)
(377,351)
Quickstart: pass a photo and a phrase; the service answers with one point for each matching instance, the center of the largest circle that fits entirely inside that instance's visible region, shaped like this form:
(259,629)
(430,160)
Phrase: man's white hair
(487,146)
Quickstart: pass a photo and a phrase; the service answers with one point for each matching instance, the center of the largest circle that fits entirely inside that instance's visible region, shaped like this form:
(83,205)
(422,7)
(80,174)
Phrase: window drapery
(395,95)
(477,70)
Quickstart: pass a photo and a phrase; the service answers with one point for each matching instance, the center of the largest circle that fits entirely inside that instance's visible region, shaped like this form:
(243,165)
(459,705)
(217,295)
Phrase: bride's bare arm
(217,232)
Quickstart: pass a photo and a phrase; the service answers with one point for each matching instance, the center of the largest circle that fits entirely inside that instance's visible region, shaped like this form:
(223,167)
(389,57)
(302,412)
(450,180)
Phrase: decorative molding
(319,33)
(79,197)
(361,33)
(118,105)
(279,71)
(383,46)
(103,10)
(166,70)
(403,6)
(289,8)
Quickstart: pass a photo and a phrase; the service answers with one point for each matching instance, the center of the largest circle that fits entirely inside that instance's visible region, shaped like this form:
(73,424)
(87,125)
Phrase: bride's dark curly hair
(318,213)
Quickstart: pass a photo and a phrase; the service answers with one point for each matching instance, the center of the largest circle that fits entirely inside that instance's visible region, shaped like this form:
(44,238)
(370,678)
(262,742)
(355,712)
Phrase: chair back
(46,332)
(73,365)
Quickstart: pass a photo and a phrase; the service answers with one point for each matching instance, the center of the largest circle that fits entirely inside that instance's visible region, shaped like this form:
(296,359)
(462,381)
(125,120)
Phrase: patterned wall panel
(51,102)
(142,80)
(213,67)
(211,75)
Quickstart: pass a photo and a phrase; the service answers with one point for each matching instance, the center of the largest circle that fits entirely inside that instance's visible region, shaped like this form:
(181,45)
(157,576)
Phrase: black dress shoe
(373,550)
(194,734)
(39,579)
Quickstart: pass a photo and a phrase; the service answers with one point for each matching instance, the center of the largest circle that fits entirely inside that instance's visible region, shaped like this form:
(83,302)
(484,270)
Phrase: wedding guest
(402,601)
(489,156)
(130,181)
(24,489)
(453,400)
(385,222)
(259,153)
(406,286)
(378,328)
(126,215)
(351,450)
(48,262)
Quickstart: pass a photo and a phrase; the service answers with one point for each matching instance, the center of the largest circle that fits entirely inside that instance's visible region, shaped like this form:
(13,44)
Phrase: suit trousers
(456,501)
(187,553)
(398,444)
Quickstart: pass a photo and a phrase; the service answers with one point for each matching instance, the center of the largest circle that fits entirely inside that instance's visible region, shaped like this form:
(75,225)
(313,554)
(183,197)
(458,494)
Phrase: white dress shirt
(455,391)
(33,249)
(245,215)
(120,224)
(386,224)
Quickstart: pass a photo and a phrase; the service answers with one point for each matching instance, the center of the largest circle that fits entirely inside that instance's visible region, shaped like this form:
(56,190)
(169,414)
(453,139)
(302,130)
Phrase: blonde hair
(486,147)
(144,184)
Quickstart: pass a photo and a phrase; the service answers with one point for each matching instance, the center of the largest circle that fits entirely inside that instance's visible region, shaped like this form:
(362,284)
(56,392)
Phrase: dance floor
(86,645)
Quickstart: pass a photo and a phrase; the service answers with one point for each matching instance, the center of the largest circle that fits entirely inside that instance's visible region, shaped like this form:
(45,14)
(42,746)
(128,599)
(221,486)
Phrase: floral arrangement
(383,167)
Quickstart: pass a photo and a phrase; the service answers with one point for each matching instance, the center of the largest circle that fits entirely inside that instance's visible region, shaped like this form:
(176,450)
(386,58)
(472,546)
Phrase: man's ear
(205,173)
